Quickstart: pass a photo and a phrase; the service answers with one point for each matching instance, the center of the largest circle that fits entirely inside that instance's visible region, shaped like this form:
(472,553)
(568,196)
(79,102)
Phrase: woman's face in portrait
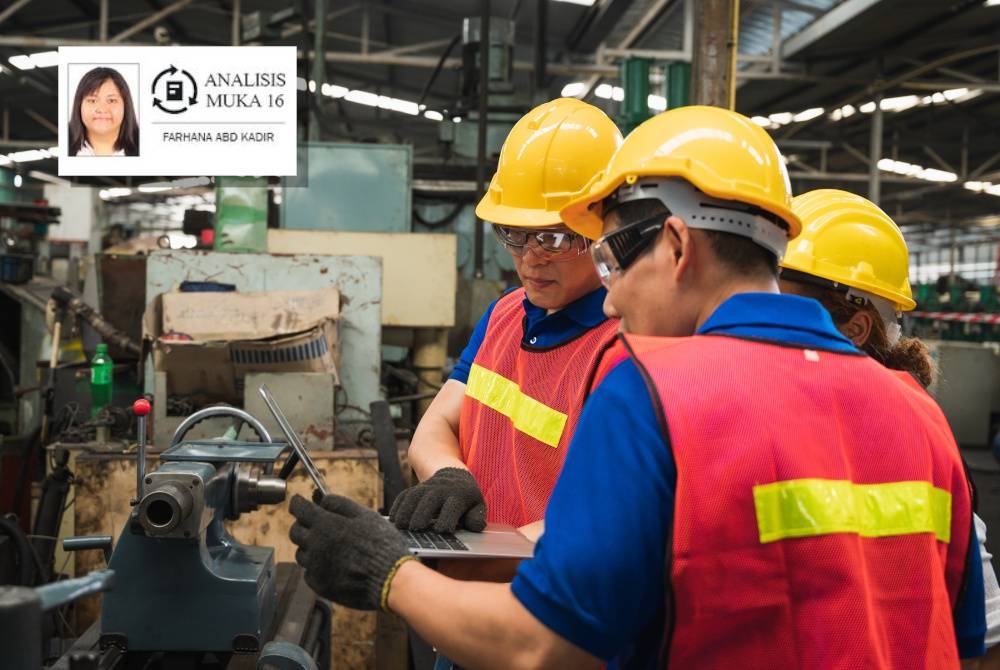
(102,111)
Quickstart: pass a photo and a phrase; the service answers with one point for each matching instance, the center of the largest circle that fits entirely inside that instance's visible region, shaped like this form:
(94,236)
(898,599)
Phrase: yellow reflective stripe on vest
(813,507)
(528,415)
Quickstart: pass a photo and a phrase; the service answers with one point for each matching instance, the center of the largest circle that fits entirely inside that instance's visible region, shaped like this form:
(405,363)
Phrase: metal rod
(365,29)
(541,27)
(7,13)
(318,68)
(874,176)
(150,20)
(140,465)
(103,21)
(236,23)
(294,439)
(484,85)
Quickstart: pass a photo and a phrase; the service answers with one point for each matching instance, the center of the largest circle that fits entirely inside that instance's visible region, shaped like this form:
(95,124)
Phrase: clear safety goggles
(615,252)
(555,244)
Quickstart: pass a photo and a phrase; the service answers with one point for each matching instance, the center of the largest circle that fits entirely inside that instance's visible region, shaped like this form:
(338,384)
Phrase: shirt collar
(587,311)
(800,320)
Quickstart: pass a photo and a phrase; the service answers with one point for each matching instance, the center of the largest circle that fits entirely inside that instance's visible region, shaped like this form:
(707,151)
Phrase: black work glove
(449,497)
(349,552)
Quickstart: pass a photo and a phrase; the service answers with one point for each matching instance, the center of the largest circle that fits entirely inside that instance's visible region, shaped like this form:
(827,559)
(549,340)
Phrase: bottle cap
(141,407)
(102,348)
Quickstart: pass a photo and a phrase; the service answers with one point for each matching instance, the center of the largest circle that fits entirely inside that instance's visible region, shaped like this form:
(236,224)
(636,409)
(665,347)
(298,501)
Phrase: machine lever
(141,409)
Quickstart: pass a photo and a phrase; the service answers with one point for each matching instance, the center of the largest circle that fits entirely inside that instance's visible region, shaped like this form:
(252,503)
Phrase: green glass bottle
(101,379)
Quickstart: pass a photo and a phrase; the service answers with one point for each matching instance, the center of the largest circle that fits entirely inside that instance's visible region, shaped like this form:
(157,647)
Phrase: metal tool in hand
(293,438)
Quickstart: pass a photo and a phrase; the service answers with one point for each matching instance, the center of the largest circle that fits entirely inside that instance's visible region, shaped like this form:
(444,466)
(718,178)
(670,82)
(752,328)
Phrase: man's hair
(738,253)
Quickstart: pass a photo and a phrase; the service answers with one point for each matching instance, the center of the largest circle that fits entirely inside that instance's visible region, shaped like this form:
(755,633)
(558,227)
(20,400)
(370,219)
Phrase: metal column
(714,57)
(541,55)
(318,67)
(874,178)
(484,86)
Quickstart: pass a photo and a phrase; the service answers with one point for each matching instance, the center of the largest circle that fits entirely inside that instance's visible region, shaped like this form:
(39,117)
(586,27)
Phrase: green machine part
(678,84)
(635,82)
(241,214)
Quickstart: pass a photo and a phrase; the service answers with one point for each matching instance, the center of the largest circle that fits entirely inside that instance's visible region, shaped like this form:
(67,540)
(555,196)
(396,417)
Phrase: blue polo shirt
(616,491)
(540,329)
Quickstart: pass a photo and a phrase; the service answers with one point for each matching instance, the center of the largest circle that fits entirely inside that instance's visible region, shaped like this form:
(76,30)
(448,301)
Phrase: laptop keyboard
(431,540)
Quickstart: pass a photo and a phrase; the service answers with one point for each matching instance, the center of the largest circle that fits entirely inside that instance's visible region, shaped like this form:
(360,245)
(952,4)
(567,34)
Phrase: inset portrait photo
(103,118)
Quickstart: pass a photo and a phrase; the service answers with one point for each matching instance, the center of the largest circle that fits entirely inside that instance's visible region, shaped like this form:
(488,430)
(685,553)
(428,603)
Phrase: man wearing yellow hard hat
(721,505)
(852,258)
(490,446)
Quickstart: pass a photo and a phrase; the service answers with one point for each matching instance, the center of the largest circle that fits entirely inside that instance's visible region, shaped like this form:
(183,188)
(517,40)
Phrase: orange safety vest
(520,409)
(822,513)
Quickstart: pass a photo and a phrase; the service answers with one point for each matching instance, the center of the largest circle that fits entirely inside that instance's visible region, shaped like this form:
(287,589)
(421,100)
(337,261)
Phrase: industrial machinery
(186,591)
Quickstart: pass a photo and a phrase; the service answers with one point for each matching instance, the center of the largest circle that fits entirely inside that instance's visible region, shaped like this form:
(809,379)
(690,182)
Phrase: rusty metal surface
(359,279)
(122,281)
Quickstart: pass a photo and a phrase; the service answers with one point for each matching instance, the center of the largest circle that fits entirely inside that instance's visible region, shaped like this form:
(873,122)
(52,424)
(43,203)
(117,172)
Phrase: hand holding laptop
(447,500)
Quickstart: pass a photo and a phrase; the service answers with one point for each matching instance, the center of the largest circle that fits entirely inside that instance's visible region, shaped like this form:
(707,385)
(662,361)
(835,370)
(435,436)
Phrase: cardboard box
(208,342)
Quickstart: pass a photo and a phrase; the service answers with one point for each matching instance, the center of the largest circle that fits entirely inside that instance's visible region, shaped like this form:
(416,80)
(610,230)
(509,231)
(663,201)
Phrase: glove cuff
(384,597)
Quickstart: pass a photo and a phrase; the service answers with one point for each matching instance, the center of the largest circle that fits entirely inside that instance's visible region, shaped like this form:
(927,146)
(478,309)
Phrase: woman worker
(852,258)
(102,120)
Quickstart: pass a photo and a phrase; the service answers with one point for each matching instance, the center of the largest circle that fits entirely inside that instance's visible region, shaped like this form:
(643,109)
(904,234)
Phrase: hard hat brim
(516,217)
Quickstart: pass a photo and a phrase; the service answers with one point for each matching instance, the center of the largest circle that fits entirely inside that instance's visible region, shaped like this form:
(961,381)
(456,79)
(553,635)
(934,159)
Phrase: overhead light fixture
(918,171)
(117,192)
(991,3)
(31,61)
(808,114)
(573,89)
(609,92)
(22,62)
(584,3)
(29,155)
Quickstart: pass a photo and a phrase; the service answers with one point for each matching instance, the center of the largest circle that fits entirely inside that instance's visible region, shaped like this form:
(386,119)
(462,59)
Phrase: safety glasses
(556,245)
(614,252)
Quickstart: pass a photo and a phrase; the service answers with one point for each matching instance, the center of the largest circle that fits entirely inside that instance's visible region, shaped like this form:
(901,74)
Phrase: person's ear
(858,328)
(679,242)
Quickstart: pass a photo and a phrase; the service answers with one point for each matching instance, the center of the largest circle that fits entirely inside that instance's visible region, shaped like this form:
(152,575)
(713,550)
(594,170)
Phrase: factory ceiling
(811,71)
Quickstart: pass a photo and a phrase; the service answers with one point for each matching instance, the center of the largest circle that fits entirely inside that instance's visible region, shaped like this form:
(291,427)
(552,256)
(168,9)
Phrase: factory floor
(986,475)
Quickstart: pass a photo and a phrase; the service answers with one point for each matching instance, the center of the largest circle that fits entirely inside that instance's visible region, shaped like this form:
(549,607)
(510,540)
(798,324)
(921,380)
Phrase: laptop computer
(496,541)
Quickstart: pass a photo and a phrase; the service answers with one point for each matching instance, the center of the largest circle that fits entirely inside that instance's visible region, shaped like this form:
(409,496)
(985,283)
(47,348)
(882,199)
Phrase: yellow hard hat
(552,154)
(720,152)
(847,239)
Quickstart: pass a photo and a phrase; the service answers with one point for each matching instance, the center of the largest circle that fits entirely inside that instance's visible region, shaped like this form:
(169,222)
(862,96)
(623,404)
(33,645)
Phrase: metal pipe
(318,67)
(541,27)
(733,46)
(219,410)
(236,23)
(484,85)
(103,21)
(874,184)
(5,14)
(150,20)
